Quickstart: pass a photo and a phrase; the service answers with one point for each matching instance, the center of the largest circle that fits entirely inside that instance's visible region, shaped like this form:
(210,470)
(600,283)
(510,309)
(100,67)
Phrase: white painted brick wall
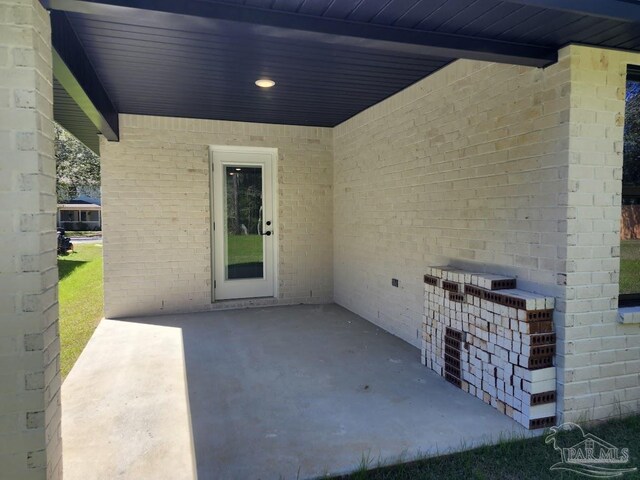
(156,219)
(465,167)
(30,444)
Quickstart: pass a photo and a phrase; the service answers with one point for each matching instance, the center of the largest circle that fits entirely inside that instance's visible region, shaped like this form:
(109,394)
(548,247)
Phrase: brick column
(598,358)
(30,444)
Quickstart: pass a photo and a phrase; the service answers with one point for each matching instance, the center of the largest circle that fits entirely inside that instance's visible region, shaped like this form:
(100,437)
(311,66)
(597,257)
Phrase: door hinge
(214,284)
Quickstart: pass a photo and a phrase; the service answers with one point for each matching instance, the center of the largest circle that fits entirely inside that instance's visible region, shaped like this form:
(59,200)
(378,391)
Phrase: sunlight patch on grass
(81,301)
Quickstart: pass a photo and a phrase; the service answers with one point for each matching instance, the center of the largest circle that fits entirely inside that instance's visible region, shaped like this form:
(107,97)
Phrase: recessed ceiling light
(265,83)
(238,169)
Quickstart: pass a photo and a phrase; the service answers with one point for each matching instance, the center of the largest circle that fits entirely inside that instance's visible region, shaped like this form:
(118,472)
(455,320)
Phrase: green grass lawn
(515,459)
(244,249)
(81,301)
(630,266)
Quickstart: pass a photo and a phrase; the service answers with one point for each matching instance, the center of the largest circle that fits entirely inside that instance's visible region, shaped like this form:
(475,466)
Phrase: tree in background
(76,165)
(244,199)
(631,169)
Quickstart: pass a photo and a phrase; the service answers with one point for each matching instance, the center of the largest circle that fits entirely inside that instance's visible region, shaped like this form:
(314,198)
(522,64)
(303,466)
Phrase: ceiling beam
(297,27)
(73,70)
(620,10)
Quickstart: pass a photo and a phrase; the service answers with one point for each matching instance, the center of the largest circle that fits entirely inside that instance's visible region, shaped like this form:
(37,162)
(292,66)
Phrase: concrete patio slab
(279,392)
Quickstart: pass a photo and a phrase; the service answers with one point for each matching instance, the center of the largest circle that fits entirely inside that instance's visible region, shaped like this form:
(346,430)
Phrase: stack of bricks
(493,341)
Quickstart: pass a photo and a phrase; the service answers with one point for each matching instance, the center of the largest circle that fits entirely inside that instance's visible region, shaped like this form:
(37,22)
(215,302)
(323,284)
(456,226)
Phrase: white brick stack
(493,341)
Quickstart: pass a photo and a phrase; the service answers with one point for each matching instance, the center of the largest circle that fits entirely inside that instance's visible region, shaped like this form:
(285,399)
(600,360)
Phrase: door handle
(268,232)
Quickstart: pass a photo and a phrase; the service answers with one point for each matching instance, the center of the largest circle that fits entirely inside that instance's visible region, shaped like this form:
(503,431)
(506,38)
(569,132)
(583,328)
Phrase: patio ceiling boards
(329,59)
(75,120)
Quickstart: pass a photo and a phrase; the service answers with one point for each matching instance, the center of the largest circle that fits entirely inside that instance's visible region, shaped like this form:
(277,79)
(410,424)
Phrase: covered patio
(279,153)
(281,392)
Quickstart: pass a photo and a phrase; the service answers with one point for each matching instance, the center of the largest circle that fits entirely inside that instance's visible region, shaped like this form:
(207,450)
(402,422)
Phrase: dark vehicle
(64,244)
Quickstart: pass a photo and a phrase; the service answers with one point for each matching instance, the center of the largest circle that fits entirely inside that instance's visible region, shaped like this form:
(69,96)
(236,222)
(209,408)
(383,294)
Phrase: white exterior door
(244,226)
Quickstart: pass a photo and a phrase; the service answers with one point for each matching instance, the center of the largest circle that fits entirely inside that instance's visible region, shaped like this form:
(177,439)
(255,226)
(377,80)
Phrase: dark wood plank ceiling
(192,69)
(75,121)
(204,74)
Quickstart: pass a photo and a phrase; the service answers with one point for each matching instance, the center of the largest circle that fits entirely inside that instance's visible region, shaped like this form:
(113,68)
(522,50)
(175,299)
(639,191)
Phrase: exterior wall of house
(502,169)
(156,218)
(466,167)
(30,444)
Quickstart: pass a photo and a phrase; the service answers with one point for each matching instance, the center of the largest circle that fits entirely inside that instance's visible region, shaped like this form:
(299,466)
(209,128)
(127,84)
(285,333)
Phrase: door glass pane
(244,244)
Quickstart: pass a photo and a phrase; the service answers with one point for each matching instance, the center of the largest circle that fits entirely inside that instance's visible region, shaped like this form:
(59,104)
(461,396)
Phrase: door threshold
(244,303)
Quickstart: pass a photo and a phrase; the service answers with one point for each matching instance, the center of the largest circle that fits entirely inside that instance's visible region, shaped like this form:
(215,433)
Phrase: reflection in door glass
(244,258)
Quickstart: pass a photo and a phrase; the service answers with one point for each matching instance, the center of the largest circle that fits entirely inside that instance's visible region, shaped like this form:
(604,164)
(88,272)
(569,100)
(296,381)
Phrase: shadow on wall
(630,222)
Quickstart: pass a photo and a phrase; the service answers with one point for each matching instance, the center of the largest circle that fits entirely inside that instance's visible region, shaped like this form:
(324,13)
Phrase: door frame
(273,153)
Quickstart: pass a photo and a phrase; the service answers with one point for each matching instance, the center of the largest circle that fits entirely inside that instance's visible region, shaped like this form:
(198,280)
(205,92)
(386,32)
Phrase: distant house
(79,215)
